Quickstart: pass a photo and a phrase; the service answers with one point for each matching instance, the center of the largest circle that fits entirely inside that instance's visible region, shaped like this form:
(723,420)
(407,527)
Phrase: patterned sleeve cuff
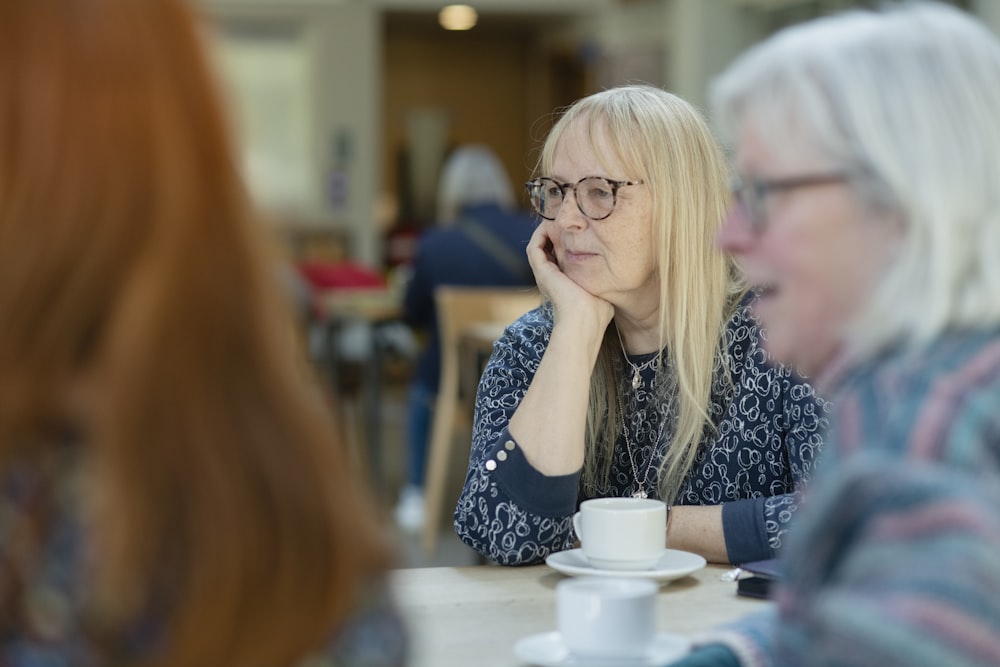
(536,493)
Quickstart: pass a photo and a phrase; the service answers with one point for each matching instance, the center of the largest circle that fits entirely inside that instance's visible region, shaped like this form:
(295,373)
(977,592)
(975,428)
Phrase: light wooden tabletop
(371,304)
(462,616)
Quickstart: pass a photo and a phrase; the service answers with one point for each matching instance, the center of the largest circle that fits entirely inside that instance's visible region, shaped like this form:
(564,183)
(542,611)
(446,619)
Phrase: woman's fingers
(567,297)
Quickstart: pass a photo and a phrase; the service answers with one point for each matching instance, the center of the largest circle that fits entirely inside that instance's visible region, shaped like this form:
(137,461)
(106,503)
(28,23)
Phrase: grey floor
(450,550)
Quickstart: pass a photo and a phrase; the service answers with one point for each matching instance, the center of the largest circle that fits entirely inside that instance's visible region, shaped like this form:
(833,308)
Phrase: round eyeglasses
(595,196)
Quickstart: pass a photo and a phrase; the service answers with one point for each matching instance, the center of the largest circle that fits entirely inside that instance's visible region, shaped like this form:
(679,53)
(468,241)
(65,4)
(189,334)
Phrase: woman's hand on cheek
(567,297)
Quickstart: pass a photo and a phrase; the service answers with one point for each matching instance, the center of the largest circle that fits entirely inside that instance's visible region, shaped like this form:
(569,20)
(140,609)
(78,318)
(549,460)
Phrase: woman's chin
(583,279)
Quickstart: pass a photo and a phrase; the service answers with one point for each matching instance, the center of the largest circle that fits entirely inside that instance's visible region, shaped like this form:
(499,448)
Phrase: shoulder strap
(497,249)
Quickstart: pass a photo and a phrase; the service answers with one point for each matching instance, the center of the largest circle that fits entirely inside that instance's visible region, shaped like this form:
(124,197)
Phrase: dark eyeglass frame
(537,183)
(751,195)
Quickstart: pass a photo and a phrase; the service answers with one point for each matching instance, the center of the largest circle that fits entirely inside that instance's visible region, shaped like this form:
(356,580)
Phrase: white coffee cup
(608,618)
(622,533)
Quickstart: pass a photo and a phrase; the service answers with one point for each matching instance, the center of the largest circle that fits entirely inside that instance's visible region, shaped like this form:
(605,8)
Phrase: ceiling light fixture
(457,17)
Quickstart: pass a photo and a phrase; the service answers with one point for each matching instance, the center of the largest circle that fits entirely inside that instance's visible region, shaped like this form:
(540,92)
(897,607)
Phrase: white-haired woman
(642,374)
(868,210)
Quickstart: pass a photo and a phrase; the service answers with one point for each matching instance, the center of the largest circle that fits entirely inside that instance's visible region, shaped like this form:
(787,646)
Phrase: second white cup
(622,533)
(607,618)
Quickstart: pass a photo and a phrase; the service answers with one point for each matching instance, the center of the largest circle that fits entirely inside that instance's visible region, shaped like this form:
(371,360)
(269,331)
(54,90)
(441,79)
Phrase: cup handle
(577,528)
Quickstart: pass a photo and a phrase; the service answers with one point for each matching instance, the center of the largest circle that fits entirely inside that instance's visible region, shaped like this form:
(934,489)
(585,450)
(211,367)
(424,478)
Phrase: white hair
(472,175)
(908,100)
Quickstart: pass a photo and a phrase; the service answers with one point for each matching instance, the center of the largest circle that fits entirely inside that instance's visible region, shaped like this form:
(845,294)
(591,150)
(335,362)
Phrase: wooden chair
(465,315)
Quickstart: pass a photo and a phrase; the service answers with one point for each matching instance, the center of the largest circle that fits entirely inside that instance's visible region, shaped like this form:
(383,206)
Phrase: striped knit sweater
(895,559)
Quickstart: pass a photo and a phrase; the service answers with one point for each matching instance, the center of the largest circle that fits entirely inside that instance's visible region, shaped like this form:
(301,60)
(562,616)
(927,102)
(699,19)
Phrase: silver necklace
(640,482)
(636,368)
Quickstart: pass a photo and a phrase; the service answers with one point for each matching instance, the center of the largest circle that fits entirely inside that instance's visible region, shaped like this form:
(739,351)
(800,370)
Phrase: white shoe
(410,509)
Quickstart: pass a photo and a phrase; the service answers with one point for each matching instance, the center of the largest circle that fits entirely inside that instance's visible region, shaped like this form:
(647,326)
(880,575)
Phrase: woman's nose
(569,214)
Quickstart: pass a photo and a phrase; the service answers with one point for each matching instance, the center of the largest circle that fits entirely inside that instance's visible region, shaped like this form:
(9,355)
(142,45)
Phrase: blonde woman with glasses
(642,374)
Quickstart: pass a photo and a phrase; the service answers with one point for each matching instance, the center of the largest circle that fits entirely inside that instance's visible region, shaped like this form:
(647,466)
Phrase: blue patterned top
(767,436)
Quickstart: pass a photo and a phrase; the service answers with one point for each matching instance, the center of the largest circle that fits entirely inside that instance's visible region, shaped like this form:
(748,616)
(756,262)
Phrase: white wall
(316,137)
(705,37)
(268,76)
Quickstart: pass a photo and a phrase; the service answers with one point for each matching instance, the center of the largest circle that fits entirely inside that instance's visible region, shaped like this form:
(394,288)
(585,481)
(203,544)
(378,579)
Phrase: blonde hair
(220,501)
(662,140)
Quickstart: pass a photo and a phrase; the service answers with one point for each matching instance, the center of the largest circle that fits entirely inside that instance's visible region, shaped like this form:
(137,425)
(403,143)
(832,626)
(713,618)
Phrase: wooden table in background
(462,616)
(374,304)
(376,307)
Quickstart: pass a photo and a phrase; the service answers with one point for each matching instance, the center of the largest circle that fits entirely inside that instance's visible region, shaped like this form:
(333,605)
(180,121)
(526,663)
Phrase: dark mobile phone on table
(763,574)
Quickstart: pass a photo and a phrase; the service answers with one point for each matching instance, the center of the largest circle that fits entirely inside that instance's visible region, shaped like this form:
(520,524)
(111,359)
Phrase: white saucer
(673,564)
(547,650)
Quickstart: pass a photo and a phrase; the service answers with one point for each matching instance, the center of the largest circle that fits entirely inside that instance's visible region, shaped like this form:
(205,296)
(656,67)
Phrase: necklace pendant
(636,379)
(641,493)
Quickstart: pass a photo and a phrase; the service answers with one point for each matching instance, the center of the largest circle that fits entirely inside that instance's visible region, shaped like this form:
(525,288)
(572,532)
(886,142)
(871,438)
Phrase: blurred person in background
(172,489)
(479,240)
(867,208)
(642,375)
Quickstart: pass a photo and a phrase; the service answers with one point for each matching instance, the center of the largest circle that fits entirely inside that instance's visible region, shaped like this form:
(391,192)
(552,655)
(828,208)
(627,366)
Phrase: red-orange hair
(133,278)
